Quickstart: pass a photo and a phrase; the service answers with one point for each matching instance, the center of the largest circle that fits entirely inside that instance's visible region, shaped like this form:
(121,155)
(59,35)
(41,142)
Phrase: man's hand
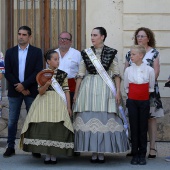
(19,87)
(25,92)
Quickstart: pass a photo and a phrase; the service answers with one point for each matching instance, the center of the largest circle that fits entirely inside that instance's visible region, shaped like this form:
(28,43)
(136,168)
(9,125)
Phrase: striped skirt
(48,128)
(97,125)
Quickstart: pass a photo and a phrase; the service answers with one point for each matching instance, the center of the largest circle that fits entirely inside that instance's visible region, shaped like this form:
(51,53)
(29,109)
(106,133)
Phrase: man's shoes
(167,159)
(9,152)
(142,161)
(135,161)
(36,155)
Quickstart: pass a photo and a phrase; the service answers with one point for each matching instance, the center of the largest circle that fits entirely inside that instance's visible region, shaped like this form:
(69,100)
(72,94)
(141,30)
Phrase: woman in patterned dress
(144,36)
(98,125)
(2,71)
(48,128)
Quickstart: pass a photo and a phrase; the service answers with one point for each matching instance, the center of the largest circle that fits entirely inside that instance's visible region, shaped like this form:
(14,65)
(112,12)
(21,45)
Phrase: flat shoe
(94,160)
(167,159)
(101,161)
(47,162)
(53,162)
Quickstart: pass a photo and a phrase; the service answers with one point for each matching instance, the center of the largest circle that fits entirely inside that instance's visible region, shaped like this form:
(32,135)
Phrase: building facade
(121,18)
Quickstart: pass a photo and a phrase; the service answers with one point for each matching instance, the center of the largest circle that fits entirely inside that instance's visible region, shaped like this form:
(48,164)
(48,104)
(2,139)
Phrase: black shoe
(151,156)
(101,161)
(142,161)
(9,152)
(36,155)
(54,162)
(47,162)
(94,160)
(134,161)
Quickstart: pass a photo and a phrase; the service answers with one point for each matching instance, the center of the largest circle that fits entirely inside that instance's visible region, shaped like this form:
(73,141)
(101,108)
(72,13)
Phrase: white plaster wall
(108,14)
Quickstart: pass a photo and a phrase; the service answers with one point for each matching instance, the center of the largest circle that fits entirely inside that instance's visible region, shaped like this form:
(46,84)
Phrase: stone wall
(4,118)
(163,125)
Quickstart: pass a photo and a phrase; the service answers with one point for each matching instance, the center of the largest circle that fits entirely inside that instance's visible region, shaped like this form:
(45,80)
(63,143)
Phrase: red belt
(72,84)
(138,91)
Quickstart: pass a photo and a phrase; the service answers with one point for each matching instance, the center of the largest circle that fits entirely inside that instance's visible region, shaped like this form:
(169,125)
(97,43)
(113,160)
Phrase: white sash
(58,89)
(102,72)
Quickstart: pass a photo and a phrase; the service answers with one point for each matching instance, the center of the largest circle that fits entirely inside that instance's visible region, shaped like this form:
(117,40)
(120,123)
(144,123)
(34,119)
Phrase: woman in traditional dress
(48,128)
(98,125)
(144,36)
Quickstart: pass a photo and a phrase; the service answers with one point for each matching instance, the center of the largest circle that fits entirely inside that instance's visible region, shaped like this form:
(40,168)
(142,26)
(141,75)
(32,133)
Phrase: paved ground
(24,161)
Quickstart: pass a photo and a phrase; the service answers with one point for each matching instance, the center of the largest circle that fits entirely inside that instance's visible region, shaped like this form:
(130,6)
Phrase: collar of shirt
(142,64)
(26,48)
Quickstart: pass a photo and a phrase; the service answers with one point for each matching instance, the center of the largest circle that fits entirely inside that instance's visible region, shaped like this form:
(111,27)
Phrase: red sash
(72,84)
(138,91)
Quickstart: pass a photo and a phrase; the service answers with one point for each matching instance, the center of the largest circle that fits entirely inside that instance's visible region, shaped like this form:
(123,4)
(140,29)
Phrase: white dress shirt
(70,62)
(22,55)
(139,75)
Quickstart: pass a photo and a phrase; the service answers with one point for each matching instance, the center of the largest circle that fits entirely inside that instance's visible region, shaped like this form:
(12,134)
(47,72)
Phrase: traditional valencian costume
(139,81)
(97,123)
(48,128)
(156,109)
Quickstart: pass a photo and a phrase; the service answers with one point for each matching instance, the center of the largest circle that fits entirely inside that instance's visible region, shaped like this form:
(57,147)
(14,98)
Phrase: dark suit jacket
(34,64)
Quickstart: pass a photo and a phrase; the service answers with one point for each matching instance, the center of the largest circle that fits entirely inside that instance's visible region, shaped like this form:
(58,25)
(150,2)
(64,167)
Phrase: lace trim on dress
(95,125)
(49,143)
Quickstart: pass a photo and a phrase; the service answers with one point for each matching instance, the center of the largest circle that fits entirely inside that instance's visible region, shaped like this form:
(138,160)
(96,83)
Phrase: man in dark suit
(22,63)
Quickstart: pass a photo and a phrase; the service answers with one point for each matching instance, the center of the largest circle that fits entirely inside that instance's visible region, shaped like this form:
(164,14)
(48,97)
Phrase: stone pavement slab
(25,161)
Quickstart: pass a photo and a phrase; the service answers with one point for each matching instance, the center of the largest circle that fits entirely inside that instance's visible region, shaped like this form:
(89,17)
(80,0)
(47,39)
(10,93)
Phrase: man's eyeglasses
(140,36)
(63,39)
